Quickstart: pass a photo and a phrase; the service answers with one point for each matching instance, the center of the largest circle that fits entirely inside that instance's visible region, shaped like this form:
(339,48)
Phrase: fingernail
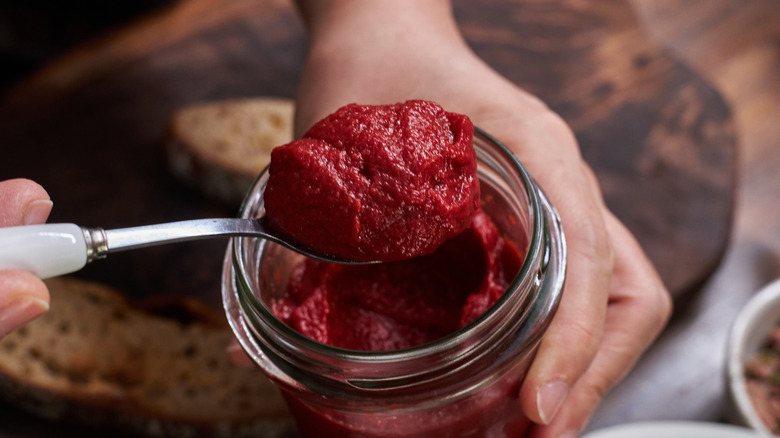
(20,311)
(550,398)
(37,212)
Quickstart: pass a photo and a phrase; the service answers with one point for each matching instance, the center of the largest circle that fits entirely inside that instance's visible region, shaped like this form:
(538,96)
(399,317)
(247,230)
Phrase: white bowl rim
(674,428)
(765,303)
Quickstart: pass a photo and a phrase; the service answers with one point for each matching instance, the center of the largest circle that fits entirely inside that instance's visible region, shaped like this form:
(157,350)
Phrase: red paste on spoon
(396,183)
(376,182)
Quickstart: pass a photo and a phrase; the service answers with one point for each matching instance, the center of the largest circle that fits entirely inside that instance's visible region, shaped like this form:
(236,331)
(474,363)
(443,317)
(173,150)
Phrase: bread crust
(221,147)
(96,359)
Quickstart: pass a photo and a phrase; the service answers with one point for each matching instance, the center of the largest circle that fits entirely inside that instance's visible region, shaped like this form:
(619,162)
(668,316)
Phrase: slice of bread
(221,147)
(95,359)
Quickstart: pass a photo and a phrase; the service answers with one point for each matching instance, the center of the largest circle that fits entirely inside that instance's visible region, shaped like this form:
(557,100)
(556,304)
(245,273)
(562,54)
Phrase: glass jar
(465,384)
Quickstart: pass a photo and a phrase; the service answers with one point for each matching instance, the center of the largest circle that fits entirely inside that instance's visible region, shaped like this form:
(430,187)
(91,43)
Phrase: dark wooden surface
(660,137)
(735,46)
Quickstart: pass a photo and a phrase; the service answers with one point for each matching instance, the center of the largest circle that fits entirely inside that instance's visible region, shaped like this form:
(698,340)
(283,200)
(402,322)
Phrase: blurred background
(732,46)
(35,31)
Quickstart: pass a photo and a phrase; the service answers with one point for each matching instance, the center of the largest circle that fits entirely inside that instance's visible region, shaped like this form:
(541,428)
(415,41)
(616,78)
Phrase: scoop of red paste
(389,306)
(386,182)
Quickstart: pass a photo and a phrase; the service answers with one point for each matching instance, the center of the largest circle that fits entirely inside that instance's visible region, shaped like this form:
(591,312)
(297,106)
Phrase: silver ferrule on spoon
(48,250)
(96,242)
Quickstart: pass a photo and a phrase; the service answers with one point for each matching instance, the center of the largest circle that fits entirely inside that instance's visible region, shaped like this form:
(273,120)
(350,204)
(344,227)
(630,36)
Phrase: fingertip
(541,401)
(23,202)
(18,282)
(23,297)
(563,357)
(37,212)
(24,188)
(550,398)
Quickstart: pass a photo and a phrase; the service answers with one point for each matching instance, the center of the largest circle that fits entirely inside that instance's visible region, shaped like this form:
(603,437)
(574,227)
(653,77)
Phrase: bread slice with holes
(96,359)
(221,147)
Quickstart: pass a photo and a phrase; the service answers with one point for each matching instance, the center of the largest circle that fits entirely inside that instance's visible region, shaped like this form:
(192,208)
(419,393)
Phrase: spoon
(49,250)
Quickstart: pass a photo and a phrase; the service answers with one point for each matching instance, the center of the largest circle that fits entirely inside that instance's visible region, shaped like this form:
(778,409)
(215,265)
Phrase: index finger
(571,342)
(550,152)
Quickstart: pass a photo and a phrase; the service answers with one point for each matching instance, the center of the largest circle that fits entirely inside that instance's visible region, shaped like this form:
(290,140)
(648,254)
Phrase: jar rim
(538,205)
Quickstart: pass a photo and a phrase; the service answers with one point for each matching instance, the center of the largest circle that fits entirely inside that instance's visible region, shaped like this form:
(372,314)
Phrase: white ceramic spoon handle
(46,250)
(49,250)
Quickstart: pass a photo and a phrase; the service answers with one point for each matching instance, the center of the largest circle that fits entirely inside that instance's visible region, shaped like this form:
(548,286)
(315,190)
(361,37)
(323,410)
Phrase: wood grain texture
(735,45)
(660,137)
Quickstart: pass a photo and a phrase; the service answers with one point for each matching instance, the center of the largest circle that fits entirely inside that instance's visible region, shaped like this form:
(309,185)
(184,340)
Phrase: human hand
(23,296)
(614,304)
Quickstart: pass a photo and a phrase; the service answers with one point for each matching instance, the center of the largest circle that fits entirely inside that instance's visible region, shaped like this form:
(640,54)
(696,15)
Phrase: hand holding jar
(614,304)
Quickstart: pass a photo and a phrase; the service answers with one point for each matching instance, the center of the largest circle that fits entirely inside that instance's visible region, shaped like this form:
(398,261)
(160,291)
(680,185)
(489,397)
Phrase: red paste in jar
(396,305)
(376,182)
(394,183)
(494,412)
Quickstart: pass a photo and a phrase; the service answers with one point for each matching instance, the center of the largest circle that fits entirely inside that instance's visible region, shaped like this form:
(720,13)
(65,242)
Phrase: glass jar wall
(465,384)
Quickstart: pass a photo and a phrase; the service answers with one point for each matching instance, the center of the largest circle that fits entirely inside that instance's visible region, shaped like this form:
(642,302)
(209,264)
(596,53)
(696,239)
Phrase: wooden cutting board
(89,126)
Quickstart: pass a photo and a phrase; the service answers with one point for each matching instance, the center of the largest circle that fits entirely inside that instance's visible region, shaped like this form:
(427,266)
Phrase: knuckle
(664,306)
(594,244)
(584,338)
